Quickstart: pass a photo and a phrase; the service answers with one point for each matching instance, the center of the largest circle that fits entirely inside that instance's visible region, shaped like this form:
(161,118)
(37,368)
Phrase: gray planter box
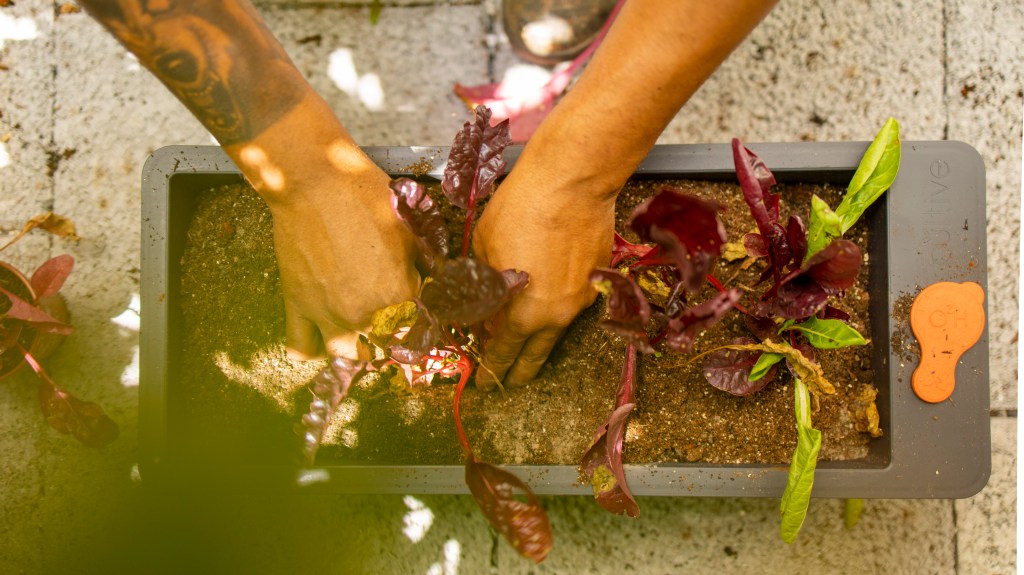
(931,228)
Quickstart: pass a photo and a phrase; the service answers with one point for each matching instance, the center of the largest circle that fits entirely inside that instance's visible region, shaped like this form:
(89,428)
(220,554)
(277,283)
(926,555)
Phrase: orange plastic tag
(947,319)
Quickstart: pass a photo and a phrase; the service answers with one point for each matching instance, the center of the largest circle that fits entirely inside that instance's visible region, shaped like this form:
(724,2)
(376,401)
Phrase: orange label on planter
(947,319)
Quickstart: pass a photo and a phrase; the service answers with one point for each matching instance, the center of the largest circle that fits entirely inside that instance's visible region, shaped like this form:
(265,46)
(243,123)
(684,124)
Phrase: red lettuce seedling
(329,387)
(731,369)
(689,237)
(86,421)
(451,316)
(417,211)
(602,464)
(800,289)
(474,164)
(688,233)
(628,309)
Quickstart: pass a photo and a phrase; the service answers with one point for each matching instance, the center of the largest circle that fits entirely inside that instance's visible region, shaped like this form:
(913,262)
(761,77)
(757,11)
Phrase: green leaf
(874,175)
(799,365)
(823,228)
(852,511)
(828,333)
(764,364)
(797,496)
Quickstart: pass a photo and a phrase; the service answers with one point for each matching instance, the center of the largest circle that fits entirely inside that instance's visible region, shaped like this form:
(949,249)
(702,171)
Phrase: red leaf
(465,291)
(835,268)
(686,228)
(628,309)
(68,414)
(418,212)
(684,329)
(623,250)
(328,387)
(729,369)
(33,316)
(524,524)
(602,463)
(526,109)
(523,110)
(475,161)
(49,278)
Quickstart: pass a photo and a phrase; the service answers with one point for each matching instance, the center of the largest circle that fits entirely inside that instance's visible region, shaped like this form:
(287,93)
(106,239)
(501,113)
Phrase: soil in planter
(241,396)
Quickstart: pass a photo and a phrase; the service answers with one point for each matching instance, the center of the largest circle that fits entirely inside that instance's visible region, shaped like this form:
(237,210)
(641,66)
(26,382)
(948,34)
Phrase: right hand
(343,254)
(558,237)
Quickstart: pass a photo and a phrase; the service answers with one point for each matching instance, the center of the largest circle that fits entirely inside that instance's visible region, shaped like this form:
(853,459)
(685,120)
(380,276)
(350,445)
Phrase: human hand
(558,238)
(343,254)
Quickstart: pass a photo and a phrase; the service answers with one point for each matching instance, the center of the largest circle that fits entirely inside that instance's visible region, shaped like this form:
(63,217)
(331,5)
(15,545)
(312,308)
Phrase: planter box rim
(933,230)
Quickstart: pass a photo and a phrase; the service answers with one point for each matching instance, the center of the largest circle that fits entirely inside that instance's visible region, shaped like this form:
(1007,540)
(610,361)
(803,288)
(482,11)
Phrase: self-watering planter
(930,228)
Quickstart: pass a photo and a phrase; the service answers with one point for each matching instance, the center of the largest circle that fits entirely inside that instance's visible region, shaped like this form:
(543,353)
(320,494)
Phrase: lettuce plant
(441,331)
(23,317)
(792,317)
(688,237)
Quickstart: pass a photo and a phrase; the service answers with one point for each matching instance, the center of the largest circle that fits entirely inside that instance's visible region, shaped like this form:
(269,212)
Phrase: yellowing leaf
(733,251)
(803,368)
(57,225)
(388,320)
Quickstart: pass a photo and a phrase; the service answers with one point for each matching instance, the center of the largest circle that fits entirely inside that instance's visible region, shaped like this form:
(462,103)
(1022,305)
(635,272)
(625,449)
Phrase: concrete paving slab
(26,132)
(26,126)
(390,84)
(742,535)
(824,72)
(984,96)
(987,523)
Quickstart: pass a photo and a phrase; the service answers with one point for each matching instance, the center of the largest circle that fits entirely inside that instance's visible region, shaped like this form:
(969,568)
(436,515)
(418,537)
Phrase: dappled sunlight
(418,520)
(452,554)
(17,28)
(262,374)
(5,158)
(255,160)
(523,81)
(341,69)
(128,322)
(131,62)
(129,318)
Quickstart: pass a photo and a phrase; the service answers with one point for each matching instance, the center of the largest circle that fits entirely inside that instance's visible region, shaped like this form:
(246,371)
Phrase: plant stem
(625,393)
(718,285)
(466,368)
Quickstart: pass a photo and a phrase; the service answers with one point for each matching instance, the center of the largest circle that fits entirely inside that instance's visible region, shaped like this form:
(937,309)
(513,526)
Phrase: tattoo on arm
(216,56)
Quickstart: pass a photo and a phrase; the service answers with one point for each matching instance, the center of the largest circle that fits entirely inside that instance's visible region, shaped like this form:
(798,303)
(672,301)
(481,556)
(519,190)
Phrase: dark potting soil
(241,396)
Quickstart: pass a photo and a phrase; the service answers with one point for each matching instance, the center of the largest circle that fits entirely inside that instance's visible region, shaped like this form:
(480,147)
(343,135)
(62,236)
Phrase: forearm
(221,61)
(656,55)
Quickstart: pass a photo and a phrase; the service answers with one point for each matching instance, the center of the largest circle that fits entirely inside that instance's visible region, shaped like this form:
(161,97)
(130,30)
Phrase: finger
(301,338)
(532,357)
(341,343)
(499,356)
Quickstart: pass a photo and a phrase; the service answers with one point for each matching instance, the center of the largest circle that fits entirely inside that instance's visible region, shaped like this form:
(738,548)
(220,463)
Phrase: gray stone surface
(26,117)
(987,523)
(984,82)
(742,535)
(810,72)
(390,84)
(825,72)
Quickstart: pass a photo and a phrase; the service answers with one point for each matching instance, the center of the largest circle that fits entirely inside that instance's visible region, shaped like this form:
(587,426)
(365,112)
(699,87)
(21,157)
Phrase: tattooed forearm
(216,56)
